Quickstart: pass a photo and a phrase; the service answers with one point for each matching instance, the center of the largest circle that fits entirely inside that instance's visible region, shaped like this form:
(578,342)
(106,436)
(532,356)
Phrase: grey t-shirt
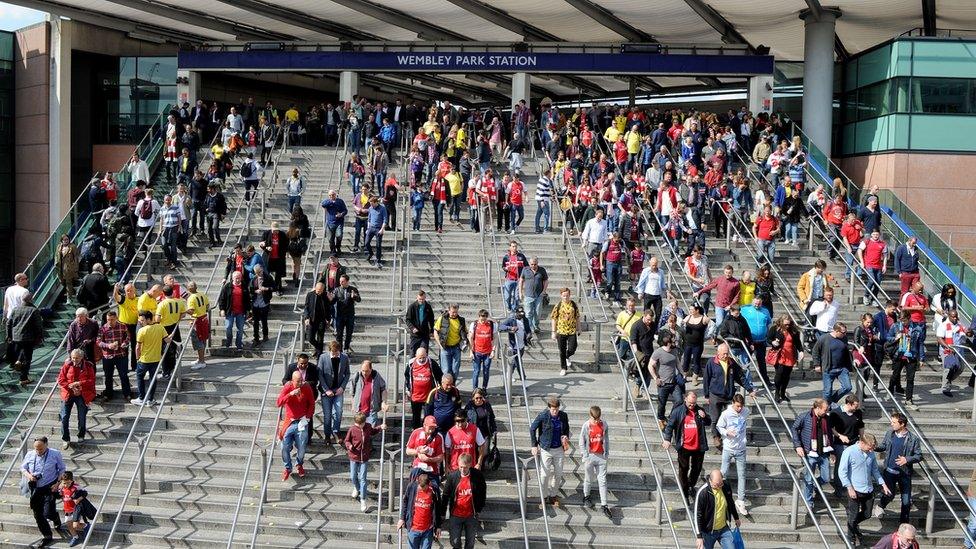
(534,281)
(667,364)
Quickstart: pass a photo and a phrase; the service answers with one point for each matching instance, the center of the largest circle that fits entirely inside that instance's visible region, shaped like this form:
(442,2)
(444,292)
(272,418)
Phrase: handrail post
(810,235)
(930,514)
(596,344)
(795,506)
(141,466)
(391,462)
(850,298)
(659,508)
(264,467)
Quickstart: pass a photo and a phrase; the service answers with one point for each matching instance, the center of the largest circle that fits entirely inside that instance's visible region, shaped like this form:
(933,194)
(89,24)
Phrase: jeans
(691,359)
(357,473)
(723,538)
(851,261)
(370,234)
(455,207)
(517,213)
(551,471)
(971,525)
(335,237)
(480,363)
(417,213)
(829,376)
(613,279)
(438,215)
(147,389)
(118,364)
(823,462)
(456,525)
(171,237)
(543,212)
(294,201)
(510,291)
(356,181)
(666,392)
(531,305)
(360,228)
(229,323)
(420,540)
(720,314)
(767,248)
(873,283)
(903,482)
(73,400)
(739,457)
(451,359)
(331,414)
(213,228)
(294,438)
(595,466)
(791,231)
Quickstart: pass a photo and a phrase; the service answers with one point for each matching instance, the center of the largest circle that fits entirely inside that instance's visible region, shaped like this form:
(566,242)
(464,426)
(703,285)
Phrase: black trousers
(689,470)
(858,509)
(132,345)
(260,320)
(759,350)
(417,413)
(567,348)
(417,341)
(213,229)
(316,336)
(654,302)
(23,352)
(169,359)
(782,380)
(42,506)
(910,366)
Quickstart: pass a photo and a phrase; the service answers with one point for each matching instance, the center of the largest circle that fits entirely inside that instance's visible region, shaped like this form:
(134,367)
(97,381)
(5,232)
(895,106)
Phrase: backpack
(146,210)
(247,169)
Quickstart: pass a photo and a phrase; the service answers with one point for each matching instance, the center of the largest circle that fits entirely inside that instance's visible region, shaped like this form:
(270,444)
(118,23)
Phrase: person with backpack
(147,210)
(565,328)
(251,172)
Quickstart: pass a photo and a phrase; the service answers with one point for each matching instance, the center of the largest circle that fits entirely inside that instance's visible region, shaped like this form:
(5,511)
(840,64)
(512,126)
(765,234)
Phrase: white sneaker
(562,372)
(878,511)
(151,402)
(740,506)
(355,493)
(569,363)
(198,365)
(136,401)
(514,378)
(363,506)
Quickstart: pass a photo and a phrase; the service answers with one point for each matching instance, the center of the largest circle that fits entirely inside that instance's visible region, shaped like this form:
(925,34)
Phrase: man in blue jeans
(902,452)
(420,513)
(512,264)
(813,441)
(335,217)
(533,282)
(451,333)
(374,229)
(832,357)
(150,342)
(298,405)
(333,377)
(715,513)
(234,303)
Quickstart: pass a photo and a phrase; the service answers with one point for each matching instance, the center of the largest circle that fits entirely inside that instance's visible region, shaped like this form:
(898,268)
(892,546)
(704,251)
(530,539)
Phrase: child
(417,199)
(78,511)
(637,257)
(596,275)
(359,447)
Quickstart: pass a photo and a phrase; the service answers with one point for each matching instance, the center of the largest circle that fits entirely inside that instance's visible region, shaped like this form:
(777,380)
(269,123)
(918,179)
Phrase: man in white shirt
(138,169)
(595,233)
(652,285)
(235,121)
(825,311)
(14,295)
(146,212)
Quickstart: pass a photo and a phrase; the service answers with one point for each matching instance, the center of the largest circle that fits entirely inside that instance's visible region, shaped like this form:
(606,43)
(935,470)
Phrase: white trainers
(363,506)
(136,401)
(151,402)
(355,493)
(740,506)
(569,363)
(878,511)
(562,372)
(198,365)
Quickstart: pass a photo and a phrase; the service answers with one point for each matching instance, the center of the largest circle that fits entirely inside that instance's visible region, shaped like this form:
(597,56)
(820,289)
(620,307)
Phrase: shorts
(196,342)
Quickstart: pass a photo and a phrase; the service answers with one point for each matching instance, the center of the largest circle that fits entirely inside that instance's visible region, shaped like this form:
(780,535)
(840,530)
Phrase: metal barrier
(143,442)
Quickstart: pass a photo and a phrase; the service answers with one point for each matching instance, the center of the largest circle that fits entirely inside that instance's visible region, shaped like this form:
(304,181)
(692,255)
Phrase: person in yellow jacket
(813,284)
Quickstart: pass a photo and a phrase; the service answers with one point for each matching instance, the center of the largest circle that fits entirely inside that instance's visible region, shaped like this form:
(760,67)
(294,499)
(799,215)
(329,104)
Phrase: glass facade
(6,152)
(135,91)
(910,94)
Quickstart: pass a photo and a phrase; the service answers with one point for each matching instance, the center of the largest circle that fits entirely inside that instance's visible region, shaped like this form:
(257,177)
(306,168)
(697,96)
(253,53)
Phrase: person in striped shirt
(543,198)
(171,219)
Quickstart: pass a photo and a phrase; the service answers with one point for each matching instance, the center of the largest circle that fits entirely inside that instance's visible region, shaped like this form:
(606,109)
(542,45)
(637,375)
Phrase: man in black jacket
(309,373)
(420,321)
(737,327)
(316,316)
(691,442)
(216,208)
(26,332)
(346,297)
(463,495)
(198,197)
(95,289)
(712,529)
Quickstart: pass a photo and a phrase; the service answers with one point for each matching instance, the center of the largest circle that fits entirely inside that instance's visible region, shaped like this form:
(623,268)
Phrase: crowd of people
(626,181)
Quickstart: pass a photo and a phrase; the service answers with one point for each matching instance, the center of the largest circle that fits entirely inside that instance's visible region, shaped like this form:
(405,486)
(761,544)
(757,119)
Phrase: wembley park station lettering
(468,60)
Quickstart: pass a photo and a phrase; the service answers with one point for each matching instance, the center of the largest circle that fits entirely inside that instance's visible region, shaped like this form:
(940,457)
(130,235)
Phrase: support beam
(59,120)
(502,19)
(816,11)
(200,19)
(721,25)
(606,18)
(928,17)
(521,88)
(301,19)
(348,86)
(576,82)
(759,94)
(818,74)
(397,18)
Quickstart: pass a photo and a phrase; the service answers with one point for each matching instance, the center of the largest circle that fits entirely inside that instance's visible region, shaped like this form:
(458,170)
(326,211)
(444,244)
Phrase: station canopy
(754,26)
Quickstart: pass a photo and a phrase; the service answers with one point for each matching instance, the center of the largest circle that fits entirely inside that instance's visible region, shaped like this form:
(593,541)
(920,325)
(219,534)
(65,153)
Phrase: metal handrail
(393,365)
(257,429)
(144,441)
(806,466)
(523,504)
(662,504)
(403,419)
(925,470)
(956,349)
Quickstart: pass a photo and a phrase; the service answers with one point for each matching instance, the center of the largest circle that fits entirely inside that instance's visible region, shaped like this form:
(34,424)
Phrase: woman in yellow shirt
(747,289)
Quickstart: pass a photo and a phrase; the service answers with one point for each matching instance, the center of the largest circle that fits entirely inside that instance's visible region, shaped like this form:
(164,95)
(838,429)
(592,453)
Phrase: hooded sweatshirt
(730,421)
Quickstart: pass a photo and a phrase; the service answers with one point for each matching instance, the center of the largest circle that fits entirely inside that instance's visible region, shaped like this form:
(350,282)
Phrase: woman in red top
(77,383)
(785,351)
(438,196)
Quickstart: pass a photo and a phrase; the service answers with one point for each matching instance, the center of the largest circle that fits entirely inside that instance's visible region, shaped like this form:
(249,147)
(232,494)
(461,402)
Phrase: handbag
(772,355)
(737,541)
(565,204)
(494,458)
(26,488)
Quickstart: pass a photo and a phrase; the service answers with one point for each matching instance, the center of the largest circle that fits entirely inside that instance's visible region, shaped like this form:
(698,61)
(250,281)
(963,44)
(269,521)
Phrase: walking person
(721,375)
(421,377)
(858,471)
(451,334)
(76,380)
(463,494)
(482,336)
(685,429)
(565,328)
(831,357)
(731,426)
(333,376)
(113,341)
(419,513)
(346,297)
(26,333)
(42,468)
(359,448)
(814,442)
(261,288)
(594,443)
(369,393)
(549,434)
(298,407)
(847,424)
(215,206)
(420,322)
(335,218)
(150,340)
(713,514)
(533,283)
(235,304)
(902,451)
